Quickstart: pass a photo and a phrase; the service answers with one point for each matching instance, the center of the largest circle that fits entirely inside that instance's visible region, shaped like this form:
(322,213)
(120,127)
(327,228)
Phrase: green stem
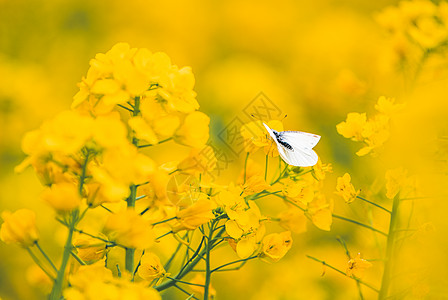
(280,176)
(189,266)
(374,204)
(184,282)
(39,264)
(343,273)
(208,272)
(46,256)
(360,224)
(385,282)
(129,259)
(79,259)
(161,142)
(266,168)
(56,292)
(245,167)
(234,262)
(160,222)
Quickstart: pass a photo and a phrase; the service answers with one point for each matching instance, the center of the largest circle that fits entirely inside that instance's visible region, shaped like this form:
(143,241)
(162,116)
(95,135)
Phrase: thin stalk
(130,252)
(343,273)
(160,222)
(149,145)
(190,296)
(130,201)
(266,167)
(385,282)
(360,224)
(233,262)
(245,167)
(38,262)
(75,256)
(374,204)
(46,256)
(208,273)
(184,282)
(56,292)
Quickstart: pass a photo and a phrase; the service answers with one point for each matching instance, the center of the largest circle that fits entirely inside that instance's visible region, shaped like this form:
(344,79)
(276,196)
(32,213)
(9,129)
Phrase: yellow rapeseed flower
(276,245)
(387,106)
(200,279)
(19,227)
(353,126)
(321,212)
(194,131)
(90,249)
(150,267)
(254,181)
(356,266)
(62,197)
(345,188)
(293,220)
(128,228)
(195,215)
(255,136)
(300,192)
(395,181)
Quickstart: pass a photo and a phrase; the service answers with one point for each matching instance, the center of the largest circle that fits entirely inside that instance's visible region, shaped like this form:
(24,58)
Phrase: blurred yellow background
(316,60)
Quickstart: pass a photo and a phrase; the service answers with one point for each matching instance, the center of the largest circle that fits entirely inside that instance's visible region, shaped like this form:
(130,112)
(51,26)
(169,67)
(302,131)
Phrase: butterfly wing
(271,133)
(298,157)
(300,139)
(302,143)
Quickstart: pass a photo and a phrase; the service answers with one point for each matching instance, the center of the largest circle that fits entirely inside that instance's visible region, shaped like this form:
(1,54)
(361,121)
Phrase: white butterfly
(295,147)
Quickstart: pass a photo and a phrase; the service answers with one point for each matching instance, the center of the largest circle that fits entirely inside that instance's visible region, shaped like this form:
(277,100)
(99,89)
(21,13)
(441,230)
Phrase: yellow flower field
(149,150)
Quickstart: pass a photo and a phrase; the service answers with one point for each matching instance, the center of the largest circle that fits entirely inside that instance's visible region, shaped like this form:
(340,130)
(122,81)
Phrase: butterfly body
(295,147)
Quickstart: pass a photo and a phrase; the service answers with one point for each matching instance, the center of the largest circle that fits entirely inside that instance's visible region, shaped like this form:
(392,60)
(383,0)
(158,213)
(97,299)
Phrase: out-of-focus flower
(387,106)
(321,212)
(36,277)
(293,220)
(195,215)
(200,279)
(396,180)
(90,249)
(142,130)
(299,192)
(199,161)
(320,170)
(150,267)
(97,282)
(254,181)
(62,136)
(255,136)
(194,131)
(345,188)
(62,197)
(121,167)
(128,228)
(353,126)
(19,227)
(109,131)
(376,133)
(356,266)
(373,132)
(276,245)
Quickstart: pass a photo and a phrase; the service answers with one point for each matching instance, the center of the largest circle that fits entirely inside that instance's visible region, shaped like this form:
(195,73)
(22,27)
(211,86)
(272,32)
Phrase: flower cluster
(373,132)
(414,25)
(105,186)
